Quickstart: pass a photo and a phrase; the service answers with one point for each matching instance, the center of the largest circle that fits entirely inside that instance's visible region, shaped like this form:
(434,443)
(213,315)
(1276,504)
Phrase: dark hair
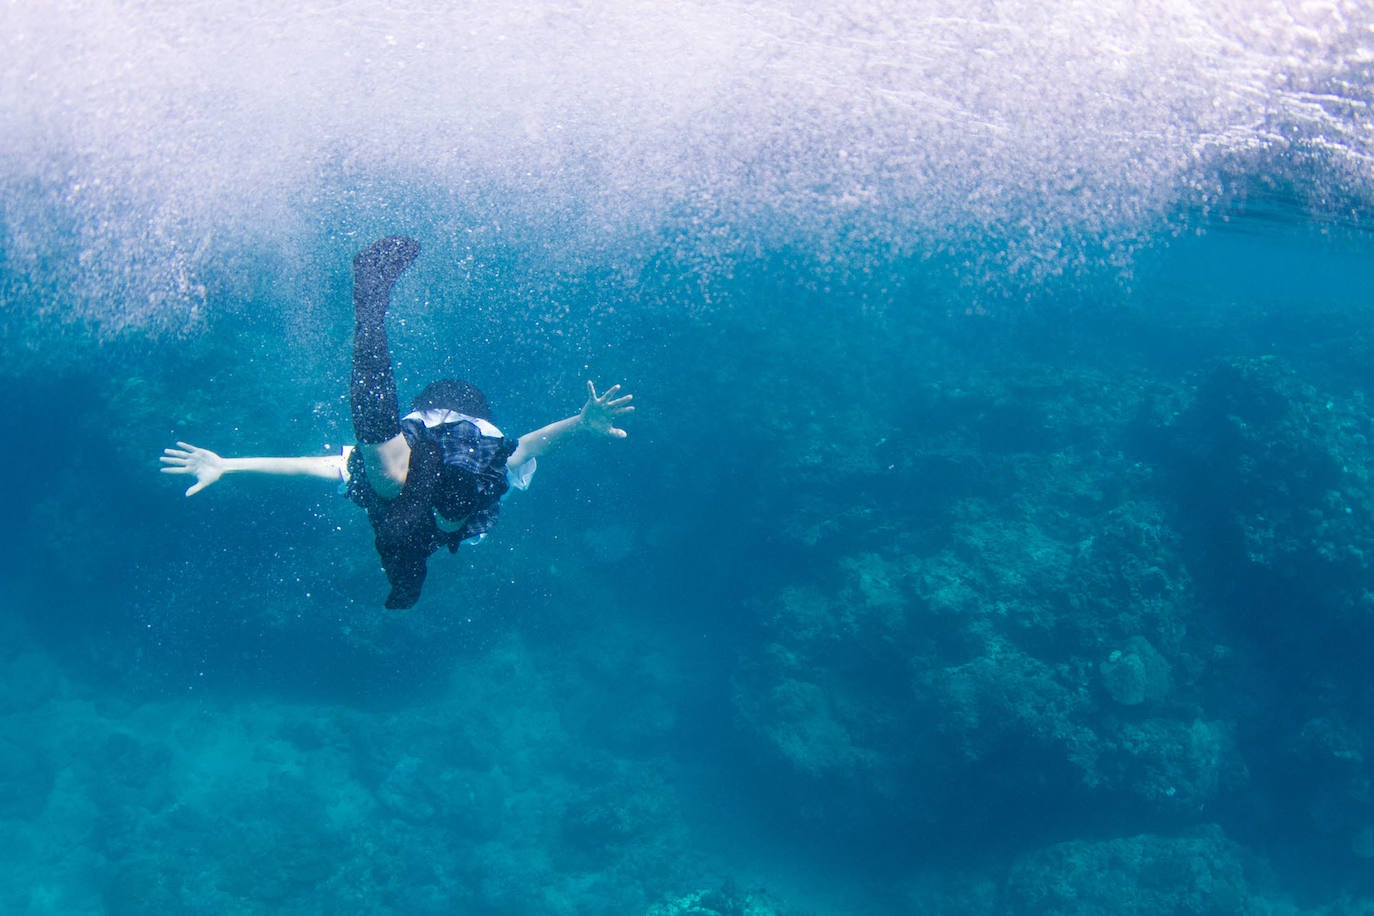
(451,394)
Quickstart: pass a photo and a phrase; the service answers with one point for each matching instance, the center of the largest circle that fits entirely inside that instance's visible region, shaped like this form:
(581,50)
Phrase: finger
(188,446)
(176,452)
(617,432)
(622,410)
(196,488)
(175,459)
(176,470)
(618,401)
(591,390)
(610,392)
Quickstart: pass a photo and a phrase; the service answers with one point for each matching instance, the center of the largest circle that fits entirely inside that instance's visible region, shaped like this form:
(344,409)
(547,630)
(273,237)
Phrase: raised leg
(372,390)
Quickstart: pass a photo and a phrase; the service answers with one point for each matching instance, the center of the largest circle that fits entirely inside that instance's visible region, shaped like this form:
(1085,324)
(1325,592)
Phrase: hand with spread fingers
(600,412)
(188,459)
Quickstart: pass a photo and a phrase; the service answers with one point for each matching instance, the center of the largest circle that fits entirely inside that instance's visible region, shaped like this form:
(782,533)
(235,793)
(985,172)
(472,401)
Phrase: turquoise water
(993,534)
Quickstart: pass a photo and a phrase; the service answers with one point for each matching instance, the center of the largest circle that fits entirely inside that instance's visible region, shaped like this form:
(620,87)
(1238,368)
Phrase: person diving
(432,478)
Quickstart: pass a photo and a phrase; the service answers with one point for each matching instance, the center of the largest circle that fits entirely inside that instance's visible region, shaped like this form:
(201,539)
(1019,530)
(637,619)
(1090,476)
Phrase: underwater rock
(806,725)
(1005,700)
(630,809)
(828,698)
(1333,751)
(1271,479)
(954,642)
(1274,477)
(1174,767)
(726,900)
(1201,874)
(404,790)
(1137,674)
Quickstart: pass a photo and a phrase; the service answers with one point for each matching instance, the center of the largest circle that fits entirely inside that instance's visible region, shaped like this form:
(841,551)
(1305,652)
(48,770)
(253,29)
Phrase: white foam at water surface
(1055,129)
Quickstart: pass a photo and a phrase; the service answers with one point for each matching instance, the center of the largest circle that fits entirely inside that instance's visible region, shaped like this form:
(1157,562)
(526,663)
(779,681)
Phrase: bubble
(140,141)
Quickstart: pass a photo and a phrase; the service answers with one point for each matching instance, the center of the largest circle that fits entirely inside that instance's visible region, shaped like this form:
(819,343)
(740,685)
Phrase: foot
(383,261)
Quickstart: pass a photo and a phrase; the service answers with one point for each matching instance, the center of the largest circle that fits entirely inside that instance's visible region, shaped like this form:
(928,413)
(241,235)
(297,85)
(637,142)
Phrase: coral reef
(1026,633)
(1199,873)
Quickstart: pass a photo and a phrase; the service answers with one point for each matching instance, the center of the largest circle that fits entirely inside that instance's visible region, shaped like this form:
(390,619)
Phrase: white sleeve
(519,476)
(343,463)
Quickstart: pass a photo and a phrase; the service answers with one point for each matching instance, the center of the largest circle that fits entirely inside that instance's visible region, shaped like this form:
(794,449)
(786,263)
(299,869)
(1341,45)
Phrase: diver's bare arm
(208,467)
(598,416)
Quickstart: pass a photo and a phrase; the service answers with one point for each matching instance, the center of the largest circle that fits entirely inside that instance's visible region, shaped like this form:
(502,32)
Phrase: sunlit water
(882,276)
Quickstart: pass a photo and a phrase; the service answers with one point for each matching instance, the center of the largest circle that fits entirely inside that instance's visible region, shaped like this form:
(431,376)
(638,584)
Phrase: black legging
(372,391)
(405,529)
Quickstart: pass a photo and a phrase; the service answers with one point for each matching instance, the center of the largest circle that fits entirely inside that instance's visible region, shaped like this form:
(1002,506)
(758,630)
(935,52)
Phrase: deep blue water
(994,533)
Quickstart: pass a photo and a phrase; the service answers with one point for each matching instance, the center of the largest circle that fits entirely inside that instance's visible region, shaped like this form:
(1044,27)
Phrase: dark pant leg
(404,543)
(372,389)
(404,527)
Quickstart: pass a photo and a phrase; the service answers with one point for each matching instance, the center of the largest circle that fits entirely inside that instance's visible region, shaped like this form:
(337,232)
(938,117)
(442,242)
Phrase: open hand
(600,412)
(205,464)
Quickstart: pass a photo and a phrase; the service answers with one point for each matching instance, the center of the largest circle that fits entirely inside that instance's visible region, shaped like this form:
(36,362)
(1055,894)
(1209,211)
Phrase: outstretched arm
(208,467)
(598,416)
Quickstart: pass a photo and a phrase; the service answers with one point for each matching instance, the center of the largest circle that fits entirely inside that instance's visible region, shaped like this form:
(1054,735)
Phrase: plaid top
(472,478)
